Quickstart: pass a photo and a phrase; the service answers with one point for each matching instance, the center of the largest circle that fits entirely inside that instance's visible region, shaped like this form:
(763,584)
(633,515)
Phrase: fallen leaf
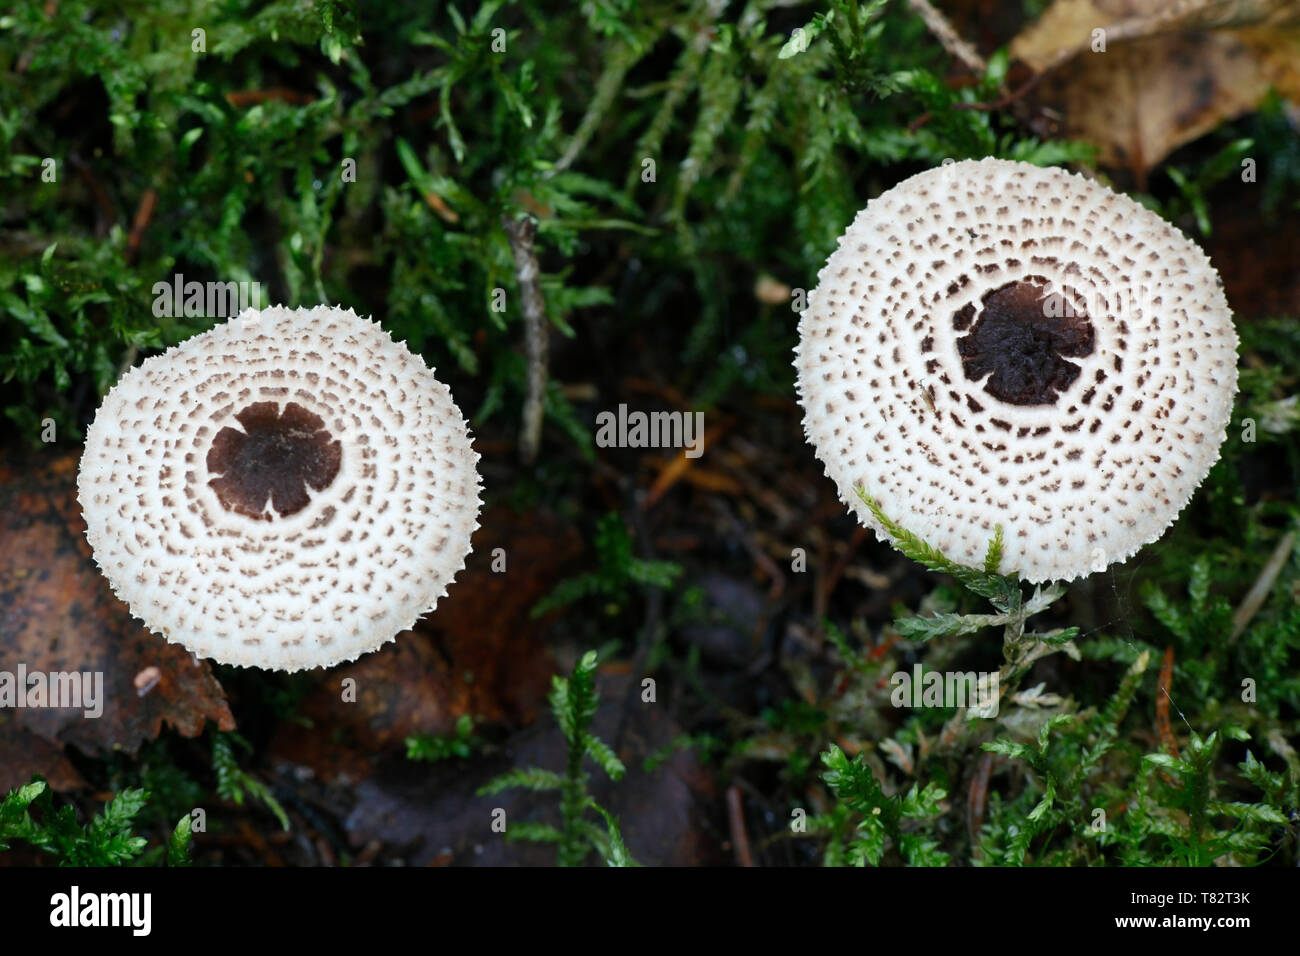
(1278,54)
(23,754)
(1164,78)
(479,653)
(58,614)
(1070,27)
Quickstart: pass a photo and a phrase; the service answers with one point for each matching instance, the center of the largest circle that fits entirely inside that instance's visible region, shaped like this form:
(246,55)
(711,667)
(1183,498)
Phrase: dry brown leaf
(1278,54)
(1066,28)
(22,754)
(1165,77)
(479,653)
(57,613)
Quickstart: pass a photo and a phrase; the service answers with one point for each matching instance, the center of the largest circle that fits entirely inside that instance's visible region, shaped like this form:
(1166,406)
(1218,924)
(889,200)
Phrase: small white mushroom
(994,343)
(288,490)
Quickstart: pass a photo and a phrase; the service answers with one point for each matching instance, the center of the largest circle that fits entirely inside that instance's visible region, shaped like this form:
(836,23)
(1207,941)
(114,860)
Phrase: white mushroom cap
(288,490)
(994,343)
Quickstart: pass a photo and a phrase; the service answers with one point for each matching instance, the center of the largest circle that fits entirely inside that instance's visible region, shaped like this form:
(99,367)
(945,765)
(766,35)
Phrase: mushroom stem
(521,233)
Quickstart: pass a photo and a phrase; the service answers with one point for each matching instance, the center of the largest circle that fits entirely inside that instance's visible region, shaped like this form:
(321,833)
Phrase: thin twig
(521,232)
(976,802)
(736,820)
(1258,593)
(142,216)
(1000,103)
(756,552)
(654,609)
(256,97)
(1004,101)
(607,89)
(132,353)
(1164,728)
(828,584)
(943,31)
(108,214)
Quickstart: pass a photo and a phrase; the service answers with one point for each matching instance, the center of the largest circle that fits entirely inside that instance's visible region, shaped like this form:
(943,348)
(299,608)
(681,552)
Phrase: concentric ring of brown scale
(995,343)
(290,489)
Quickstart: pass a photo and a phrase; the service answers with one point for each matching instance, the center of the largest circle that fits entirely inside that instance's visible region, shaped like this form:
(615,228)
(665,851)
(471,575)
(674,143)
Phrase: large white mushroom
(288,490)
(994,343)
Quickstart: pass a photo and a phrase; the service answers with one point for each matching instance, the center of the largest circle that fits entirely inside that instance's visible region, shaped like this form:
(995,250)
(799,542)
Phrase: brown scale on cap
(276,457)
(1022,340)
(998,343)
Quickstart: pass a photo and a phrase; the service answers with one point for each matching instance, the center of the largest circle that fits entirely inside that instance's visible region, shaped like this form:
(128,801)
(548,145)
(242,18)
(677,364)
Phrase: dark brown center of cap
(277,457)
(1021,340)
